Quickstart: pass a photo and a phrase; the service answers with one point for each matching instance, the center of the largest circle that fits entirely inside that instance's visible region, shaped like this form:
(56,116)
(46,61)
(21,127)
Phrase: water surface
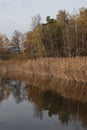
(27,107)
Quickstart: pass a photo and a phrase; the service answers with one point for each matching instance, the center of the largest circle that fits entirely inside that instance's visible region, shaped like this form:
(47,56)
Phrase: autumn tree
(17,42)
(52,40)
(4,44)
(63,22)
(82,31)
(33,39)
(36,21)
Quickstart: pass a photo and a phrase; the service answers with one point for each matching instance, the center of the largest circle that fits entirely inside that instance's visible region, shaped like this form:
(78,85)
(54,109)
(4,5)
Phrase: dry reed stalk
(74,69)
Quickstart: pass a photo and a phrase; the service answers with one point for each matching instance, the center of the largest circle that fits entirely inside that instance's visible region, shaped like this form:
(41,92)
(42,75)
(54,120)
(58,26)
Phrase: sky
(16,14)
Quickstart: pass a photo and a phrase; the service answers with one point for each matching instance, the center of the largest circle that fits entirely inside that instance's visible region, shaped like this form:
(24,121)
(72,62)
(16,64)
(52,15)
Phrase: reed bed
(74,69)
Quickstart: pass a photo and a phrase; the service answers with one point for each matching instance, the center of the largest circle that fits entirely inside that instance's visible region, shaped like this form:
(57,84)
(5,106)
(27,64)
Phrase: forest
(63,36)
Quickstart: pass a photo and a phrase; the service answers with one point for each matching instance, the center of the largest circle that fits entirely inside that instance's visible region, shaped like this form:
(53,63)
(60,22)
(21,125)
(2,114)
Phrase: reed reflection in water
(23,103)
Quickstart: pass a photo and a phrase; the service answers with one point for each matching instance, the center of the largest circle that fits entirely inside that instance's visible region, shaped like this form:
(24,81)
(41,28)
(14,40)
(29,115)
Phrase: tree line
(63,36)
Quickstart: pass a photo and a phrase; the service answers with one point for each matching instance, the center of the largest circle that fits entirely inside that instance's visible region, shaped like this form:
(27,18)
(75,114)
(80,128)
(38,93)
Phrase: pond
(24,106)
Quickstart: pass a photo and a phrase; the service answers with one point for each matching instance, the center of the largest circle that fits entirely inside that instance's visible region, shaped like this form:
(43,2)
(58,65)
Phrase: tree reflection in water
(44,100)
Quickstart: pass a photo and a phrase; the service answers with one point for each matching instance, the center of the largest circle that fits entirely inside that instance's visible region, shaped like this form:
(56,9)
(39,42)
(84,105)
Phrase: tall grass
(74,69)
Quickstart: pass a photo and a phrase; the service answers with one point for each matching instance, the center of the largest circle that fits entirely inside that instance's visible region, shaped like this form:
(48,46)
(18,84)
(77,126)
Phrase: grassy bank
(64,68)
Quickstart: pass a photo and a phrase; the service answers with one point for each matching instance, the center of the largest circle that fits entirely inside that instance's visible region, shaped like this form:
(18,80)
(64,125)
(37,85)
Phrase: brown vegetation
(74,69)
